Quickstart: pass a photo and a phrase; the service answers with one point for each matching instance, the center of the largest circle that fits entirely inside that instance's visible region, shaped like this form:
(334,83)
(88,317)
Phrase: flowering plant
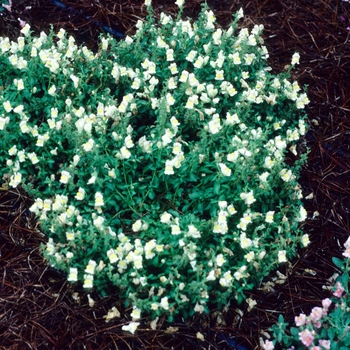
(156,165)
(327,327)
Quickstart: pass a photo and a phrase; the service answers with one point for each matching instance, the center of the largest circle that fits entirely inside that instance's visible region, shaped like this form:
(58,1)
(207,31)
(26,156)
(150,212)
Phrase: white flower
(219,75)
(248,197)
(128,142)
(172,84)
(286,175)
(136,84)
(214,125)
(99,199)
(231,209)
(19,110)
(164,303)
(15,179)
(112,313)
(226,171)
(232,157)
(173,68)
(193,232)
(169,167)
(220,260)
(88,281)
(184,76)
(269,216)
(25,29)
(302,101)
(41,139)
(199,308)
(75,80)
(295,58)
(165,218)
(33,157)
(162,45)
(244,241)
(240,273)
(52,90)
(302,215)
(65,176)
(137,225)
(90,268)
(13,150)
(263,177)
(240,14)
(112,255)
(235,58)
(251,303)
(147,3)
(88,145)
(170,99)
(191,56)
(305,240)
(211,276)
(7,106)
(73,274)
(179,3)
(19,84)
(226,280)
(124,153)
(132,326)
(135,314)
(175,230)
(250,256)
(4,122)
(92,180)
(191,102)
(199,62)
(282,256)
(70,236)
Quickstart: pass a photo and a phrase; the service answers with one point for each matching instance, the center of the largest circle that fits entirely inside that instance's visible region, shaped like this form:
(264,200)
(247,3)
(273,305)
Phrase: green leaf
(344,279)
(217,185)
(331,333)
(294,331)
(338,262)
(195,195)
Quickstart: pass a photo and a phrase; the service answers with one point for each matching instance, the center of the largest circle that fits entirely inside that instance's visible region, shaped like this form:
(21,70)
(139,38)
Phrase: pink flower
(268,345)
(318,324)
(347,243)
(316,314)
(326,303)
(339,292)
(315,348)
(325,343)
(347,252)
(300,320)
(306,337)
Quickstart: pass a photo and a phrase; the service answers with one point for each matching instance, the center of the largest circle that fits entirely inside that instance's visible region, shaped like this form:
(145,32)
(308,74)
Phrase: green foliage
(157,164)
(327,327)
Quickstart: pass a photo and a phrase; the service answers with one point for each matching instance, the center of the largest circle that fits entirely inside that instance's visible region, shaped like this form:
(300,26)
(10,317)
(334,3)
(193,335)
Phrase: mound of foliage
(157,164)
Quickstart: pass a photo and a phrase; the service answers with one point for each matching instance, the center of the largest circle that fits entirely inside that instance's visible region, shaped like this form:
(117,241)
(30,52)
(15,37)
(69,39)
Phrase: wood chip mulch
(40,310)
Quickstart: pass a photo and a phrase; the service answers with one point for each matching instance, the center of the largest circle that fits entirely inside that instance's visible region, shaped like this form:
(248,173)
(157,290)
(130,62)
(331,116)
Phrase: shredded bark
(40,310)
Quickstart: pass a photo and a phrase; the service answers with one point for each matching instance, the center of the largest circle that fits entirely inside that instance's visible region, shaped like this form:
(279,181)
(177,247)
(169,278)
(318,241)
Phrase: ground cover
(323,67)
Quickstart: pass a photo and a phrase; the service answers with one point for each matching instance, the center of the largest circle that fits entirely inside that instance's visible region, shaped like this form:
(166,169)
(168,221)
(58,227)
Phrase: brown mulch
(38,308)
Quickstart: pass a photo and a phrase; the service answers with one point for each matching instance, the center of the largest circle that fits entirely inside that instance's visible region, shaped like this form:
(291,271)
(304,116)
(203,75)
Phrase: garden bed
(39,308)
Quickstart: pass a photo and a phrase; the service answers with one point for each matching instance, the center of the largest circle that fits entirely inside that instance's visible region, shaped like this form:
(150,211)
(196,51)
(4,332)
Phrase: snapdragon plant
(327,327)
(157,165)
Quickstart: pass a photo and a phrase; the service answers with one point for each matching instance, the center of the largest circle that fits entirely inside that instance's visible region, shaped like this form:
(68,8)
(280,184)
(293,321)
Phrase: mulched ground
(38,309)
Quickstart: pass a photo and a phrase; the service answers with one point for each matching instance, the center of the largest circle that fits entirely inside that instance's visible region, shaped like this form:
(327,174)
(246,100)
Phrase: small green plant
(327,327)
(157,164)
